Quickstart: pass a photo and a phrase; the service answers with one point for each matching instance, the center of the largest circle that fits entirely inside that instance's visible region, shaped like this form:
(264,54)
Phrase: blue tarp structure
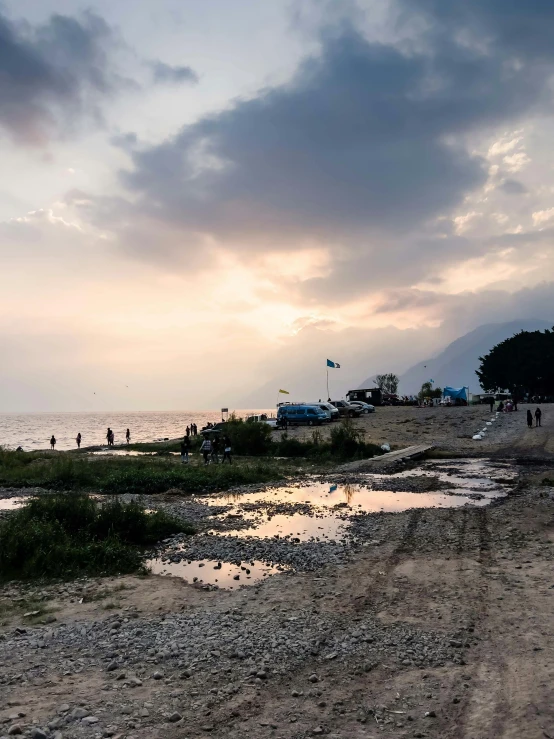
(455,392)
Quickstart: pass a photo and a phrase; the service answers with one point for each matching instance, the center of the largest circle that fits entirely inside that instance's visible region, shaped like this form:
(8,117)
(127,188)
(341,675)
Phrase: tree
(387,383)
(522,364)
(428,391)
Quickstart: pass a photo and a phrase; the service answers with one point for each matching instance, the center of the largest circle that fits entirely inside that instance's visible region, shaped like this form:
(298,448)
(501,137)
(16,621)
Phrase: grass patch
(346,442)
(61,536)
(141,475)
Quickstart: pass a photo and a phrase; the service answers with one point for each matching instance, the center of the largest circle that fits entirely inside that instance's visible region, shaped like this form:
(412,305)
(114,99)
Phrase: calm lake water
(33,430)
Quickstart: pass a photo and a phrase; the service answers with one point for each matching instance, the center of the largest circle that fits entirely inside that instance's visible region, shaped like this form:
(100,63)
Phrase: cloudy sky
(202,200)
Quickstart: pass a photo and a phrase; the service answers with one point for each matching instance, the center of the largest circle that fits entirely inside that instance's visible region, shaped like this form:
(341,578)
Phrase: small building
(371,395)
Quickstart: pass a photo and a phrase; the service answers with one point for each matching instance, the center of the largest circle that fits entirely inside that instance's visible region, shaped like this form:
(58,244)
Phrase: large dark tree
(388,383)
(523,364)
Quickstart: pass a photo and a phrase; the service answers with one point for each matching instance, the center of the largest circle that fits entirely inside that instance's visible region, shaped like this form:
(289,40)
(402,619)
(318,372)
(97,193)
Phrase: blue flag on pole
(333,364)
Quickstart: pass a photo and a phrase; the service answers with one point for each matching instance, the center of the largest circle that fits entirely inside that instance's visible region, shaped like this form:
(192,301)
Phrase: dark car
(345,409)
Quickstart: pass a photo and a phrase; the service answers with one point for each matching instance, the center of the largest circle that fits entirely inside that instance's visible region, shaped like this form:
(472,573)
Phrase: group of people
(538,416)
(110,438)
(211,449)
(192,430)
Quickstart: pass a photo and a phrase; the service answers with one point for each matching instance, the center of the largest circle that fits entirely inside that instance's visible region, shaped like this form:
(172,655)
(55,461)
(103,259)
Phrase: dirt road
(439,627)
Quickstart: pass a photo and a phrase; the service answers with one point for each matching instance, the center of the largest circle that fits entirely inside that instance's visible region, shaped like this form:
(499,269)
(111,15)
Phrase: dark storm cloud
(167,74)
(360,151)
(355,141)
(513,187)
(53,73)
(522,28)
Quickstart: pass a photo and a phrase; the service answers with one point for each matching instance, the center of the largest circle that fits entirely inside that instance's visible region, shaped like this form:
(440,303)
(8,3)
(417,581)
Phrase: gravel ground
(435,623)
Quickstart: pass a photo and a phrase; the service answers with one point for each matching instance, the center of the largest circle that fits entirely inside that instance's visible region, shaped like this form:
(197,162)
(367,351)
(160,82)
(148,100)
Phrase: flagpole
(328,395)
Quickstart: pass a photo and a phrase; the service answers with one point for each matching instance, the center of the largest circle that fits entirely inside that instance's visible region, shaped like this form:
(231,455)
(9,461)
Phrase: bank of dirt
(439,625)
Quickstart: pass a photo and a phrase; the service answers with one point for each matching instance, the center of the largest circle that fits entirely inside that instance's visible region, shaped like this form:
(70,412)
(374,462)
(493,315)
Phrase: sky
(203,200)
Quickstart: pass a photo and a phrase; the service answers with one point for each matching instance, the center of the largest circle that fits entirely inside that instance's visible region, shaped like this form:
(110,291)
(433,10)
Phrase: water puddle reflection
(209,572)
(8,504)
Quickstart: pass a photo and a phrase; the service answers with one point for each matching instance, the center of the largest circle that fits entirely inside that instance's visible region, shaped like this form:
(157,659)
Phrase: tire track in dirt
(482,682)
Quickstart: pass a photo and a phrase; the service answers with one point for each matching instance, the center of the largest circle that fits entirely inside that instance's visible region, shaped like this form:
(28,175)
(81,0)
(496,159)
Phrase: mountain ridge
(456,364)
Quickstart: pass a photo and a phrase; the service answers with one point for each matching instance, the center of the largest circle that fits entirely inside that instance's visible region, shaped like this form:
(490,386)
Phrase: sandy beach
(427,622)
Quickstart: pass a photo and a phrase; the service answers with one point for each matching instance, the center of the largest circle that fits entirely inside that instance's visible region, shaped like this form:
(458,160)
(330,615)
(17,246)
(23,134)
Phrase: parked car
(366,407)
(347,409)
(297,415)
(332,412)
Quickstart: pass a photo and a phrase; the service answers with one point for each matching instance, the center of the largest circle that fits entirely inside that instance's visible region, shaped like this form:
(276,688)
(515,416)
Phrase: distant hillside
(456,365)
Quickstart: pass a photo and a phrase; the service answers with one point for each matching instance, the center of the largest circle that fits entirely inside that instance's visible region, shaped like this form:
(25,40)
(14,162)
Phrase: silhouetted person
(78,440)
(227,450)
(185,448)
(529,419)
(491,403)
(187,431)
(52,442)
(206,449)
(538,415)
(128,436)
(501,406)
(108,435)
(215,450)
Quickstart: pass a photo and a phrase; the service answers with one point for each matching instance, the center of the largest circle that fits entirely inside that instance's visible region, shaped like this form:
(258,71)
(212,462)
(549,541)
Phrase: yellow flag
(285,392)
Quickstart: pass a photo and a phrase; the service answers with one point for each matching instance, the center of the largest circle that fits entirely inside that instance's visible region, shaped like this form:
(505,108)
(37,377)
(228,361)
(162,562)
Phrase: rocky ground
(431,623)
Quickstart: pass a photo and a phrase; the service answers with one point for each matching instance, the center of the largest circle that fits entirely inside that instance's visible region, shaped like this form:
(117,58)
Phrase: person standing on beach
(108,435)
(185,448)
(538,416)
(128,436)
(491,403)
(78,440)
(529,419)
(52,442)
(226,450)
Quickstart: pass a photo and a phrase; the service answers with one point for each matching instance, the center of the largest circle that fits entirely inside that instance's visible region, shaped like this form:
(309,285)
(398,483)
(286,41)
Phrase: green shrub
(248,438)
(69,535)
(345,443)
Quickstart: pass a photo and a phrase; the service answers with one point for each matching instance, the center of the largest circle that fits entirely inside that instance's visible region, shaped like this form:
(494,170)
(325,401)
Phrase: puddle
(317,511)
(332,504)
(131,453)
(8,504)
(206,573)
(297,527)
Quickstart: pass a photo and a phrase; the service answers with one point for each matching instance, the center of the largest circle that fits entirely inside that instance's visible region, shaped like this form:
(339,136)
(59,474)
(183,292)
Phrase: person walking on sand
(206,449)
(185,448)
(538,416)
(226,450)
(78,440)
(128,436)
(52,442)
(529,419)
